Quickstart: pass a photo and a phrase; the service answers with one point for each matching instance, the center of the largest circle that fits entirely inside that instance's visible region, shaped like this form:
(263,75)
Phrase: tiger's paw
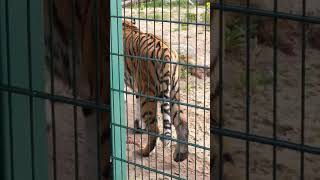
(181,152)
(179,157)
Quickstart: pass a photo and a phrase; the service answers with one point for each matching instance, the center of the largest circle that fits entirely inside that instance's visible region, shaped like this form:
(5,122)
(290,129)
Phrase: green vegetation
(140,9)
(142,14)
(183,72)
(205,17)
(184,27)
(140,6)
(166,3)
(259,79)
(191,17)
(152,15)
(163,3)
(157,16)
(189,87)
(235,34)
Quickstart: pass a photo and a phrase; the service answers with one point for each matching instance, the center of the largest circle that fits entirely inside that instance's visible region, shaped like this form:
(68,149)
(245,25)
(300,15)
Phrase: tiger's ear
(133,21)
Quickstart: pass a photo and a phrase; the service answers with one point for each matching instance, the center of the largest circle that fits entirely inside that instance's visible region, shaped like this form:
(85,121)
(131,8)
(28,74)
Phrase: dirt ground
(288,114)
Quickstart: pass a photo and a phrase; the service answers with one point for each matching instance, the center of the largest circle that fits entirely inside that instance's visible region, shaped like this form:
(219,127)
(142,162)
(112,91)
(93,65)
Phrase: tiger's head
(129,24)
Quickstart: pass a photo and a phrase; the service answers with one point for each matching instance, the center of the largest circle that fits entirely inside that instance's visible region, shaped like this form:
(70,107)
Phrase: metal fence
(150,64)
(263,73)
(95,89)
(23,146)
(74,98)
(43,104)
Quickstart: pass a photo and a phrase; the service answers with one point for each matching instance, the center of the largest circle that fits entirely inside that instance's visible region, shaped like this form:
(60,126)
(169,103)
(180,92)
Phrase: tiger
(154,78)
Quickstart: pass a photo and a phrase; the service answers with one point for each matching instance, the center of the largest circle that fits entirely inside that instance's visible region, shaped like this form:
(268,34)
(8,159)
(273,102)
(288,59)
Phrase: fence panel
(165,63)
(263,75)
(23,126)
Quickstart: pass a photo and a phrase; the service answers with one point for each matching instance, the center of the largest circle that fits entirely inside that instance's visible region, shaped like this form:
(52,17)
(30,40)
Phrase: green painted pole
(117,98)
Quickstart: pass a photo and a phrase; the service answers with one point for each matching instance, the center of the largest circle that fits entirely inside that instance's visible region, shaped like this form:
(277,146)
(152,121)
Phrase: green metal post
(117,98)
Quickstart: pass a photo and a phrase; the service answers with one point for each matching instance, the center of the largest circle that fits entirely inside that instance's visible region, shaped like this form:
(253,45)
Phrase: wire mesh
(20,49)
(183,27)
(259,106)
(259,89)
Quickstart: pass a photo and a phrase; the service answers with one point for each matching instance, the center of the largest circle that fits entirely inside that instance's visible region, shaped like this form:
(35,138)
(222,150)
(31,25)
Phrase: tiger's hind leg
(181,126)
(181,151)
(166,119)
(164,94)
(149,116)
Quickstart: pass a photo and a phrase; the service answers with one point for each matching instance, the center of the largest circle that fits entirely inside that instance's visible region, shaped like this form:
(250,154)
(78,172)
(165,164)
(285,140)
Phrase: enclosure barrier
(262,115)
(283,18)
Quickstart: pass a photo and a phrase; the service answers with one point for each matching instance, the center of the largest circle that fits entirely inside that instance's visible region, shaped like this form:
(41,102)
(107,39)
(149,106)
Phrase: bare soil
(285,117)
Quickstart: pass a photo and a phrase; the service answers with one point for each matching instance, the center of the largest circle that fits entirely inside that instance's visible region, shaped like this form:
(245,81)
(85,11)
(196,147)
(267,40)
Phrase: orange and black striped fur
(154,75)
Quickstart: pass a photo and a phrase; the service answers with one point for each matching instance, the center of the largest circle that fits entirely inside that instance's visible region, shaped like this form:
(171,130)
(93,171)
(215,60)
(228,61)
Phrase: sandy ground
(288,114)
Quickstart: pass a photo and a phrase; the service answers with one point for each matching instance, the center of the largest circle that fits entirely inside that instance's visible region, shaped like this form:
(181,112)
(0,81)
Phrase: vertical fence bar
(4,96)
(1,99)
(30,88)
(98,99)
(50,6)
(117,98)
(220,35)
(216,83)
(74,90)
(37,54)
(9,98)
(126,94)
(275,83)
(3,108)
(303,67)
(248,24)
(2,133)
